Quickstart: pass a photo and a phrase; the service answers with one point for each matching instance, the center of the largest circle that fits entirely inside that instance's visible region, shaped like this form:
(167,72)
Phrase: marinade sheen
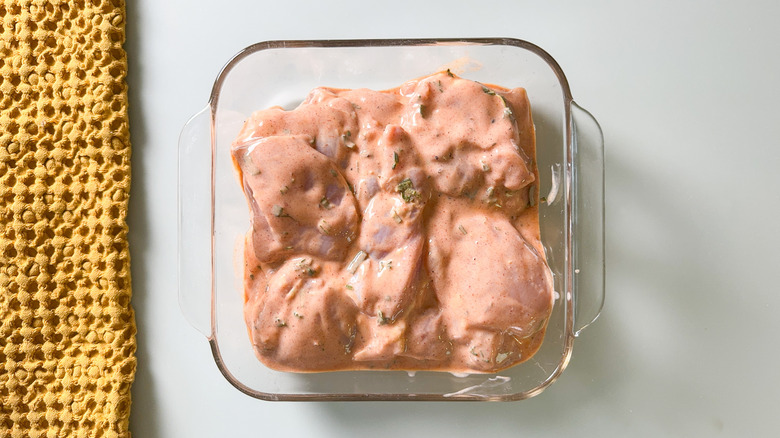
(394,229)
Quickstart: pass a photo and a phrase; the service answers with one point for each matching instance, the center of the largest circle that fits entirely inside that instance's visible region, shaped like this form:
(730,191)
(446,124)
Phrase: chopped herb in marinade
(280,323)
(462,229)
(487,90)
(304,266)
(395,159)
(422,109)
(325,228)
(333,173)
(284,190)
(324,203)
(441,89)
(491,197)
(381,319)
(298,315)
(507,109)
(278,211)
(485,167)
(407,191)
(397,218)
(385,265)
(349,286)
(449,73)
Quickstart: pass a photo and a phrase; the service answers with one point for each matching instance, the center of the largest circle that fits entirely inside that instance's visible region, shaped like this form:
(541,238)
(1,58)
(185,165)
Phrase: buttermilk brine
(394,229)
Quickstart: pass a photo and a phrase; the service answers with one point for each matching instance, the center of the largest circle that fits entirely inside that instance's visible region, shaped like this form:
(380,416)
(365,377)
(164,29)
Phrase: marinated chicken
(395,229)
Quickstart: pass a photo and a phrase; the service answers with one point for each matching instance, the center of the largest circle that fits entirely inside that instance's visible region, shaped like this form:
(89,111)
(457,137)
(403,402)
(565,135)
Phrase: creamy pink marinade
(395,229)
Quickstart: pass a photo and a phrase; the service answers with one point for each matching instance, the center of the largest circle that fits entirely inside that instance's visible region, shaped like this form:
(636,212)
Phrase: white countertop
(687,97)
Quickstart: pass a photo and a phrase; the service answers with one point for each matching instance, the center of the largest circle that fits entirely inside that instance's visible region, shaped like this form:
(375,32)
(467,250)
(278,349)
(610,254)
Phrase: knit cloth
(67,331)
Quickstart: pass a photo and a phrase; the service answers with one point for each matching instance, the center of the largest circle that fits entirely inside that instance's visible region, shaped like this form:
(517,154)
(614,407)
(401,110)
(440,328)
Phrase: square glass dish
(214,217)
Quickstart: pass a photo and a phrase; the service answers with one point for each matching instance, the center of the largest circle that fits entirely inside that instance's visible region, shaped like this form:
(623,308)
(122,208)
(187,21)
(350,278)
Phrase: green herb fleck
(324,203)
(462,230)
(491,197)
(485,167)
(381,319)
(280,323)
(304,266)
(423,111)
(385,265)
(333,173)
(284,190)
(288,248)
(298,315)
(325,228)
(407,191)
(487,90)
(396,218)
(543,199)
(507,109)
(449,73)
(349,286)
(395,159)
(278,211)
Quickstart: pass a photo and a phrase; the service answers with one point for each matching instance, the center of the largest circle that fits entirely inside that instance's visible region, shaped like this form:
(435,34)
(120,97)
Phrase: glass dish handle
(194,220)
(589,263)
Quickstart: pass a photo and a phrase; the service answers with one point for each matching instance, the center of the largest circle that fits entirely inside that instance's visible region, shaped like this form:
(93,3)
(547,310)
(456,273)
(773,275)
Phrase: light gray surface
(687,97)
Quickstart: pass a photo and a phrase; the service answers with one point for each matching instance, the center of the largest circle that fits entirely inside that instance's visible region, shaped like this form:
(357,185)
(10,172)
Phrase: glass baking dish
(213,214)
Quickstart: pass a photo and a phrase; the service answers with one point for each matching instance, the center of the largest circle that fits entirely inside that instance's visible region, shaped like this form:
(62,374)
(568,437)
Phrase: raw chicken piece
(300,202)
(493,283)
(301,321)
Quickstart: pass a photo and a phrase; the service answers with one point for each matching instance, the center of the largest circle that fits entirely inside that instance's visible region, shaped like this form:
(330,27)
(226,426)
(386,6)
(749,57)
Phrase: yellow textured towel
(67,333)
